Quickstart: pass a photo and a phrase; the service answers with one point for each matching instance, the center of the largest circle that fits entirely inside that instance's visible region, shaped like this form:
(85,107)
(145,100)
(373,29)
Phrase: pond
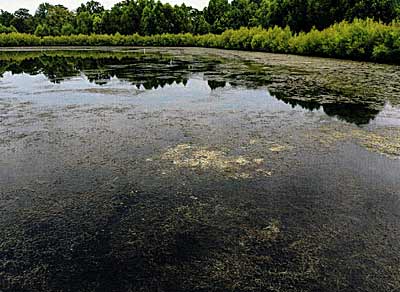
(158,169)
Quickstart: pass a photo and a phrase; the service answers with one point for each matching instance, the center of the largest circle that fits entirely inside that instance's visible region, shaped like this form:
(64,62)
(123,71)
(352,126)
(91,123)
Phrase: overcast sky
(12,5)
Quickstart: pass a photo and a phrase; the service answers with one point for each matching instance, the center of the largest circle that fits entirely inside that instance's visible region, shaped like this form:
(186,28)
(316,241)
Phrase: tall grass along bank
(359,40)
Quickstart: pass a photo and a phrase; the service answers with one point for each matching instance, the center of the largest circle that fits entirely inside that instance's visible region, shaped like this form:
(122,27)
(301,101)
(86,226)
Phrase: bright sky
(12,5)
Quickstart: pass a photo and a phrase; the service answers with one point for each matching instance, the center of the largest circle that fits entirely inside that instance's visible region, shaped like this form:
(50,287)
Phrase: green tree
(92,7)
(149,17)
(182,19)
(302,15)
(130,18)
(6,18)
(217,15)
(57,17)
(23,21)
(242,14)
(98,25)
(384,10)
(54,17)
(42,11)
(67,29)
(84,23)
(42,30)
(153,19)
(7,29)
(200,25)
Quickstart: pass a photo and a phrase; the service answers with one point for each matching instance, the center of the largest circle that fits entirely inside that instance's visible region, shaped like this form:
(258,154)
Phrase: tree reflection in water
(157,70)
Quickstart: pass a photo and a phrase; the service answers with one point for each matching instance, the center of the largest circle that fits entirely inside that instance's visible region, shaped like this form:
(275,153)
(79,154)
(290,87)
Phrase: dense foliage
(360,39)
(148,17)
(356,29)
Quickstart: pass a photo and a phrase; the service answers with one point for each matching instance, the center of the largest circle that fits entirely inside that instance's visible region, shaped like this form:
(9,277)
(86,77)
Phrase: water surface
(197,170)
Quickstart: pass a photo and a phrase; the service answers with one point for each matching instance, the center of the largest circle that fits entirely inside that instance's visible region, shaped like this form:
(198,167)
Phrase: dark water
(197,170)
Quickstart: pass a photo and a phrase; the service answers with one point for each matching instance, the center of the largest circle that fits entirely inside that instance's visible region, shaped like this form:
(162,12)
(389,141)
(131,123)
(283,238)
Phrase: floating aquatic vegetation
(268,233)
(258,160)
(278,148)
(196,157)
(385,142)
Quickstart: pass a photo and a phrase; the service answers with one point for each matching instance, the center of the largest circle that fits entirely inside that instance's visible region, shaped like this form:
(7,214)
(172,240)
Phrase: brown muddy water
(197,170)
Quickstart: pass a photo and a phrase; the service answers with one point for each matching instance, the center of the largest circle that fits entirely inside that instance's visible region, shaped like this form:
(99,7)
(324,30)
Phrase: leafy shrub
(7,29)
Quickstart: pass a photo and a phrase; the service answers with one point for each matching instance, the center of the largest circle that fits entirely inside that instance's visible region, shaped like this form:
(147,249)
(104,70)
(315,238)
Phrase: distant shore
(364,40)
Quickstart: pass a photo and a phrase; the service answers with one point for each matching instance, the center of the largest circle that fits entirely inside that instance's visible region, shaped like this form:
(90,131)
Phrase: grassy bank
(359,40)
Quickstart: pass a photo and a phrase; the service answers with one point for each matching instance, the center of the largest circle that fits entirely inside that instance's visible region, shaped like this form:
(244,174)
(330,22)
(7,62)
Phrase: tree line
(358,40)
(150,17)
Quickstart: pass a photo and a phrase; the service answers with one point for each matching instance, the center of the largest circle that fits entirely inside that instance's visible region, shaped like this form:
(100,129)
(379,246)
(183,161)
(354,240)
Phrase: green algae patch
(387,144)
(267,234)
(203,158)
(278,148)
(383,141)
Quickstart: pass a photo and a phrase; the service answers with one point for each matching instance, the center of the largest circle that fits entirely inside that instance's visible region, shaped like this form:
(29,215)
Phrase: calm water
(161,80)
(197,170)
